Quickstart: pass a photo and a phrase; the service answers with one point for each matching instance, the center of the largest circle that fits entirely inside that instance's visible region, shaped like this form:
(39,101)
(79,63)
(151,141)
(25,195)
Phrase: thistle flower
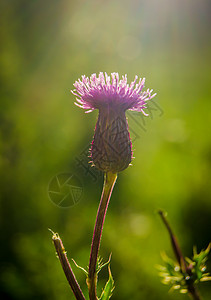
(111,149)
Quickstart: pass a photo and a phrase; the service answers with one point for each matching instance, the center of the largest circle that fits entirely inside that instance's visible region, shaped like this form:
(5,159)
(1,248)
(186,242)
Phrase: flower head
(111,147)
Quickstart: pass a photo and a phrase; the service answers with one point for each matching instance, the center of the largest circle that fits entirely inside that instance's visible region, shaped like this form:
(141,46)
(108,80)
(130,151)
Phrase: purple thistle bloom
(111,148)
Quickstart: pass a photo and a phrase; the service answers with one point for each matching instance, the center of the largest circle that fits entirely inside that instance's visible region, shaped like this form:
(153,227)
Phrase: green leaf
(79,267)
(100,263)
(109,287)
(199,260)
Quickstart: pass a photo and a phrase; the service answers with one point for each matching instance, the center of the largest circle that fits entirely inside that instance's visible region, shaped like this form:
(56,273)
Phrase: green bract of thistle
(173,275)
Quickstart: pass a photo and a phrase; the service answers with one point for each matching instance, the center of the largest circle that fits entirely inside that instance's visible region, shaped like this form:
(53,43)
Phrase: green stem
(109,182)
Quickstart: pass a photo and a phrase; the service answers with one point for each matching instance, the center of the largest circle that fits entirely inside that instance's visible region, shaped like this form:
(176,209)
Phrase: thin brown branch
(193,291)
(174,242)
(66,267)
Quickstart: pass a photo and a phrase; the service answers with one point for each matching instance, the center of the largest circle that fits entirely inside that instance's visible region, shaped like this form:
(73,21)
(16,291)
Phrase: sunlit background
(45,47)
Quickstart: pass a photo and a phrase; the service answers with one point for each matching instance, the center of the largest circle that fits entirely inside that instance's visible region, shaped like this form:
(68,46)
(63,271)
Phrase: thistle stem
(109,182)
(174,242)
(193,291)
(66,267)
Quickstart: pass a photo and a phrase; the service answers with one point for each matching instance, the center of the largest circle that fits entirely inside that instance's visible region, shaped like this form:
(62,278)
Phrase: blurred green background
(45,47)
